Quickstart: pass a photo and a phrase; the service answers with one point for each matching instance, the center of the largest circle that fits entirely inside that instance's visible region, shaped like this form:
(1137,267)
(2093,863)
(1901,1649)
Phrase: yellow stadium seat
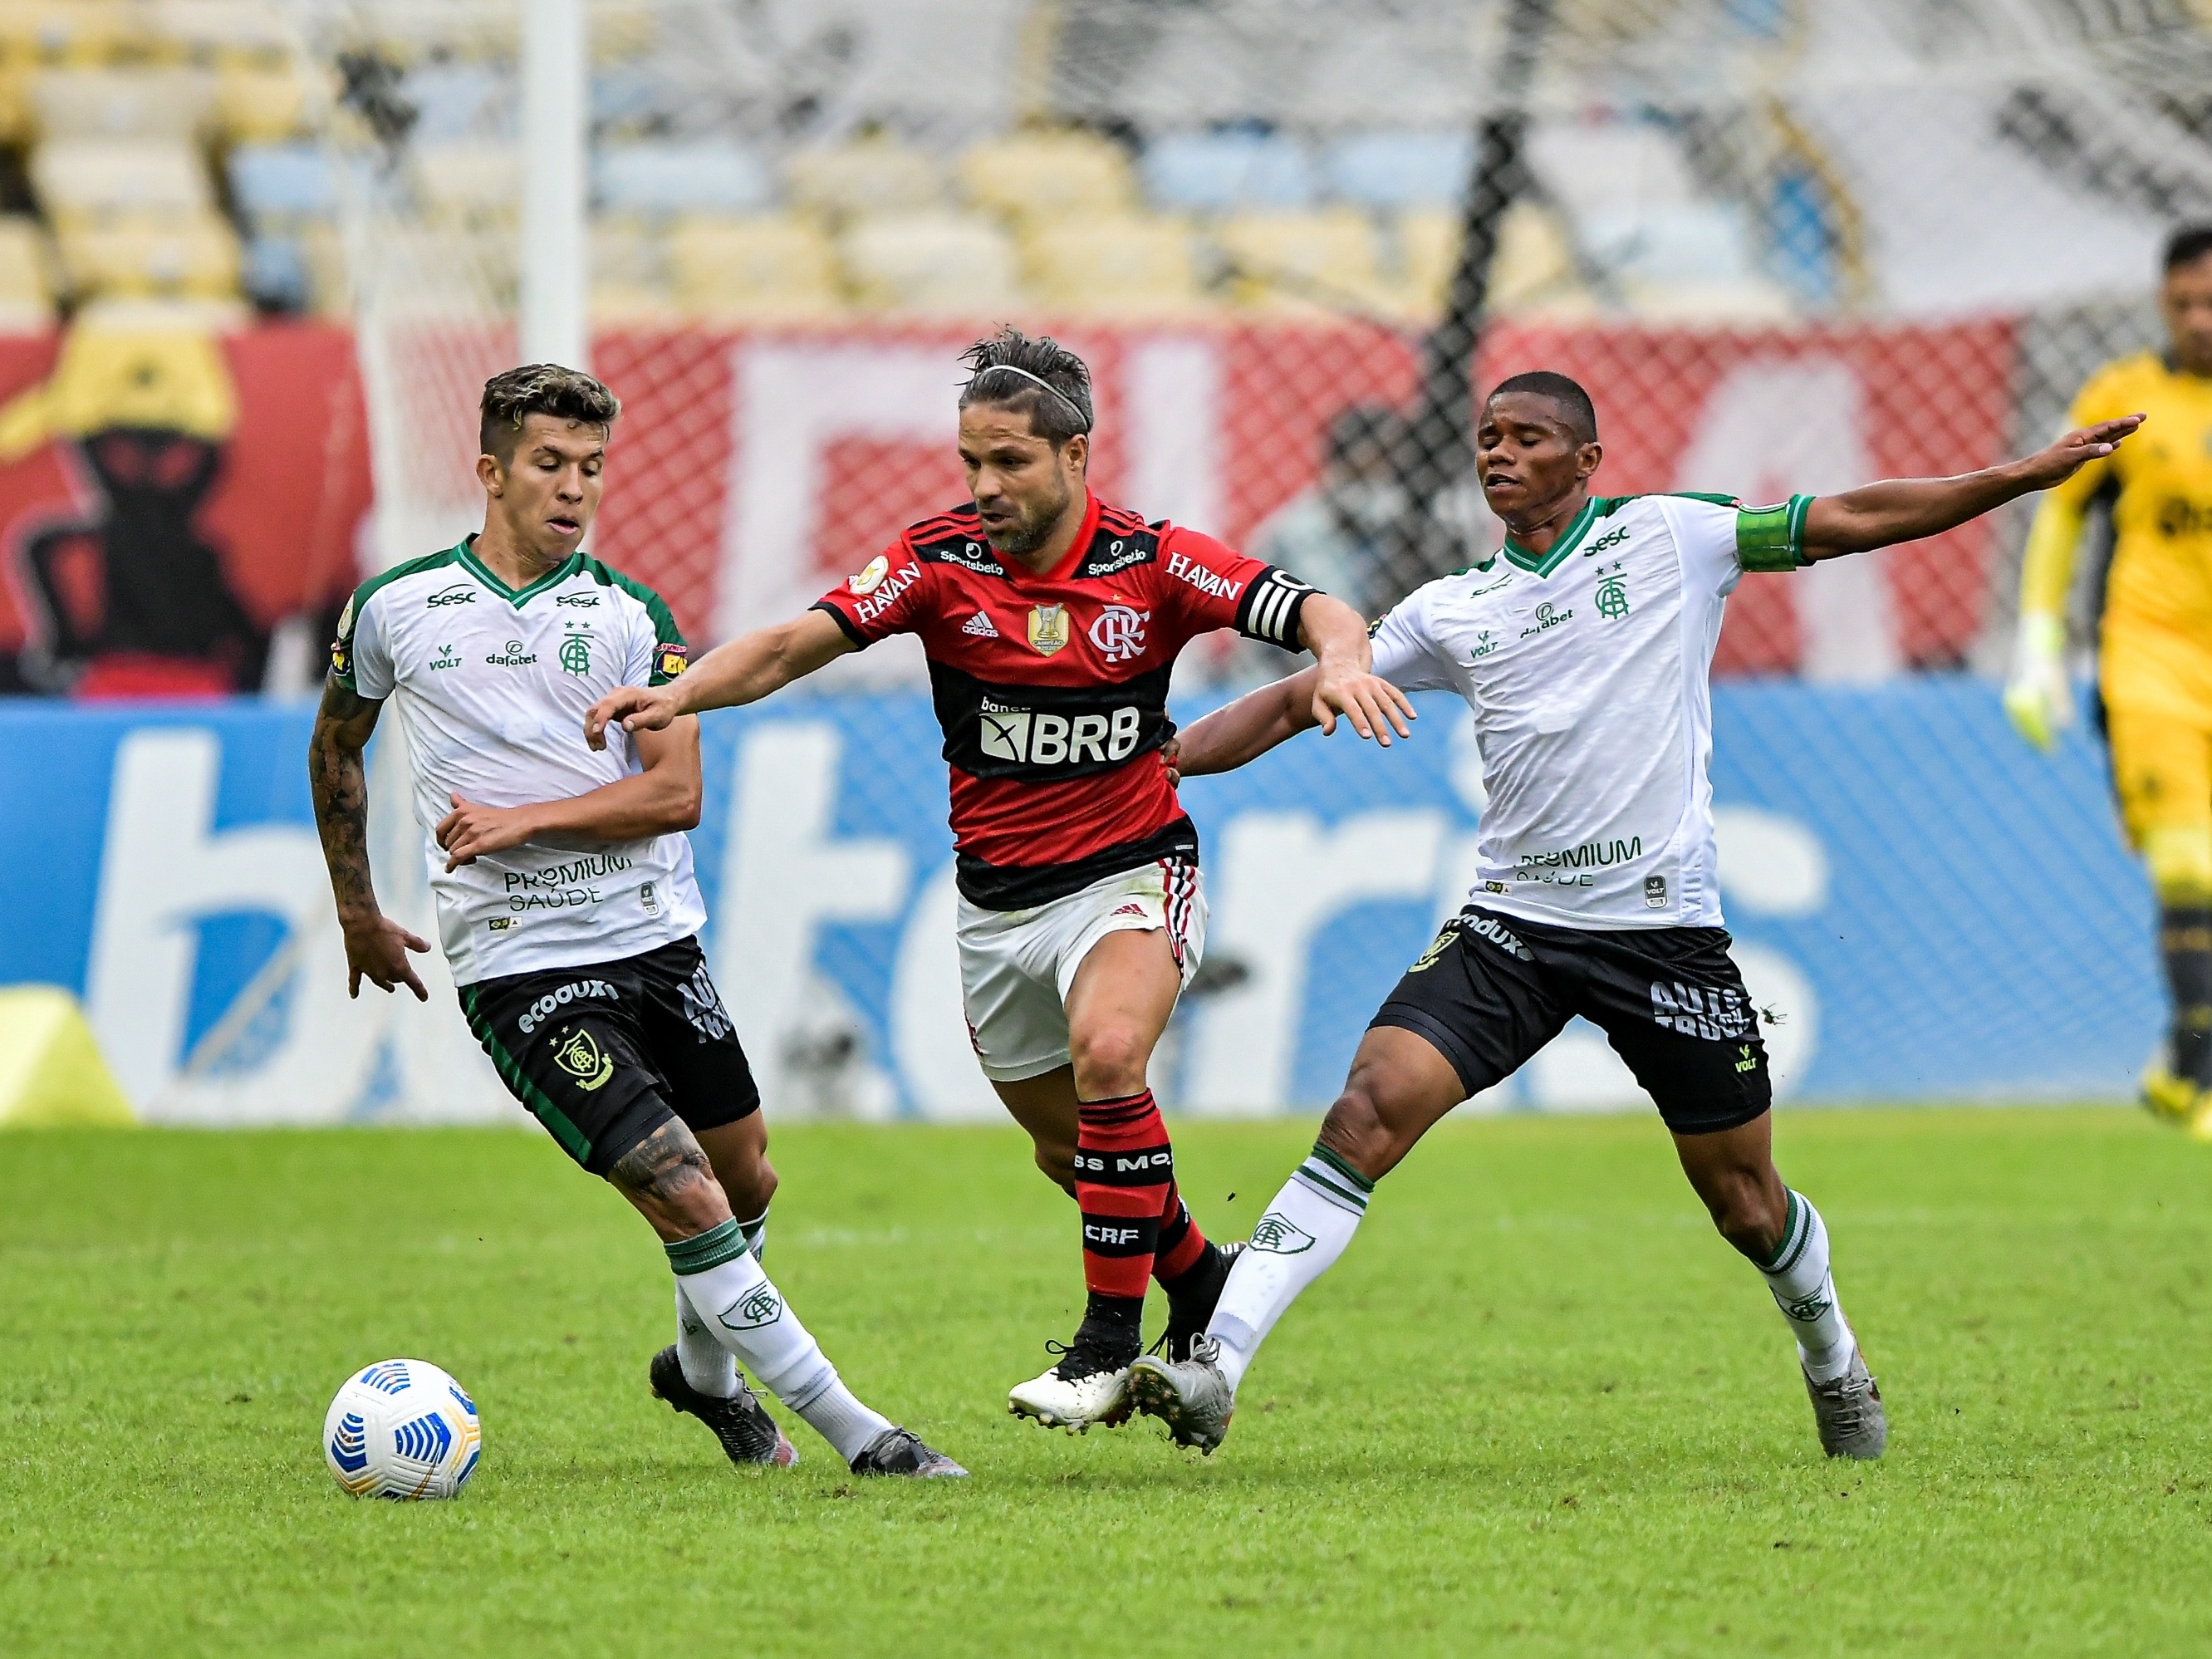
(240,34)
(1533,269)
(1035,176)
(85,178)
(189,259)
(470,180)
(1115,265)
(171,104)
(1301,259)
(261,106)
(52,1071)
(27,288)
(752,265)
(79,32)
(870,176)
(942,263)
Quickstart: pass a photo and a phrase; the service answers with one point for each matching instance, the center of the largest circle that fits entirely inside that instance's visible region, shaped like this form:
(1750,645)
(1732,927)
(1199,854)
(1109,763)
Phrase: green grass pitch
(1539,1409)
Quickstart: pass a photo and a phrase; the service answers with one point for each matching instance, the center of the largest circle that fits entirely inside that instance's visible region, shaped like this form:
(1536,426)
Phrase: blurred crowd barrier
(1925,908)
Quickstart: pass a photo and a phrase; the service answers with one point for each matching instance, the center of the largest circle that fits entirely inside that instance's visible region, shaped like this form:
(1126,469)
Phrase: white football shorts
(1016,966)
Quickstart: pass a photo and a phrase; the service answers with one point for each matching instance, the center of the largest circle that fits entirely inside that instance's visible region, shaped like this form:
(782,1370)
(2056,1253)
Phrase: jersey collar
(518,597)
(1570,538)
(1084,534)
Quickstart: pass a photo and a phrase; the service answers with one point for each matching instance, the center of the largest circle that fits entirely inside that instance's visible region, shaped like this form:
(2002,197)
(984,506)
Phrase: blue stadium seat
(1402,169)
(275,275)
(280,180)
(1214,171)
(680,178)
(451,99)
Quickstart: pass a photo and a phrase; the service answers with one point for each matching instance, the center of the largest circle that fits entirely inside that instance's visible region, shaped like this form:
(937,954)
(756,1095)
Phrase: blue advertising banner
(1928,909)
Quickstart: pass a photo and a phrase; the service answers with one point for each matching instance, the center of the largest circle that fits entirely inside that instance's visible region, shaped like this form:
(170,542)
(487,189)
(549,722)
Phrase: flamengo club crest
(1119,632)
(1047,628)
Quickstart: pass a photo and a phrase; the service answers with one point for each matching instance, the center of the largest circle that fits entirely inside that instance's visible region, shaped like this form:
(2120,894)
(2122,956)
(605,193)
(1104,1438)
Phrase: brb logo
(1030,738)
(1119,632)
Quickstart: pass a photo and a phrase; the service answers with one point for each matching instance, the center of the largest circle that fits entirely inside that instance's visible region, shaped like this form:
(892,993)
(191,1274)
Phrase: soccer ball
(402,1429)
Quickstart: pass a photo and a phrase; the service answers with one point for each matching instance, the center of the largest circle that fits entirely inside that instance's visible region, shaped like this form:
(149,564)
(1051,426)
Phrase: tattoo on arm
(664,1167)
(340,787)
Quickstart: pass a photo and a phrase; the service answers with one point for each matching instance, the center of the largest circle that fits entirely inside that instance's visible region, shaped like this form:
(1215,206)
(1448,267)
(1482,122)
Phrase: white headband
(1008,368)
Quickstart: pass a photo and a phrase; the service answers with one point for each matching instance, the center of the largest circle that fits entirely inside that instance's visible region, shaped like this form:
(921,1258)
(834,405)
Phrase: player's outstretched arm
(661,800)
(1246,729)
(1906,509)
(376,945)
(744,669)
(1343,681)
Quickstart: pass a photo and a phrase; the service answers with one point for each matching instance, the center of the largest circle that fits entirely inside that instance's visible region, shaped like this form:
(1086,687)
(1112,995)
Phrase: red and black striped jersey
(1053,690)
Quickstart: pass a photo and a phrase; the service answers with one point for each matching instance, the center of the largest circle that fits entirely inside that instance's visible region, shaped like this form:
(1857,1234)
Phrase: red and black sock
(1190,1269)
(1124,1173)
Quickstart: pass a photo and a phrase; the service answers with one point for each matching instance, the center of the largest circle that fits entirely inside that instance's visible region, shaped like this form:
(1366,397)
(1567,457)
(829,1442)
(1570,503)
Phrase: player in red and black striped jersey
(1051,622)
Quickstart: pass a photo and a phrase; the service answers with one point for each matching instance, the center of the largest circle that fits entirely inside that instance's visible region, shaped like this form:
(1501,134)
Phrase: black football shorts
(603,1055)
(1491,991)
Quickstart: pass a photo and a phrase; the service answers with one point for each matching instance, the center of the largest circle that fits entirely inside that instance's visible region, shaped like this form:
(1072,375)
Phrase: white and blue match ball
(402,1429)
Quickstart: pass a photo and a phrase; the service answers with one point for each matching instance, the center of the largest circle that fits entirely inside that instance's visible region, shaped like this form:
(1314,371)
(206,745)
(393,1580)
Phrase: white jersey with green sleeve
(1588,670)
(490,686)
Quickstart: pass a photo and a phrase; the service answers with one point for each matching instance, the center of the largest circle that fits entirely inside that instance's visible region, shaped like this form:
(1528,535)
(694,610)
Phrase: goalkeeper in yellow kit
(2154,648)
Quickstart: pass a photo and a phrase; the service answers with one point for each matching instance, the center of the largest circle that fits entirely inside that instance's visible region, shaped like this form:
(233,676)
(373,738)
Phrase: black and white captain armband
(1772,538)
(1269,609)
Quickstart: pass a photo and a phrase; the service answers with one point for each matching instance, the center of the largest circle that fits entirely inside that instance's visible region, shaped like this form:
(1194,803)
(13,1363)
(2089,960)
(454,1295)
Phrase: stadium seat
(453,102)
(469,180)
(1044,175)
(872,176)
(172,103)
(1406,169)
(273,273)
(1533,269)
(26,299)
(191,259)
(241,34)
(1324,256)
(1220,172)
(943,264)
(680,178)
(68,31)
(87,177)
(261,106)
(1113,265)
(281,182)
(757,265)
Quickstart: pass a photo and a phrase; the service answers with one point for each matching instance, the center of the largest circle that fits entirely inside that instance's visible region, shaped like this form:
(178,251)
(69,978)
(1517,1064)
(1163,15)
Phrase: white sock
(1299,1240)
(1806,1292)
(706,1364)
(744,1312)
(756,1232)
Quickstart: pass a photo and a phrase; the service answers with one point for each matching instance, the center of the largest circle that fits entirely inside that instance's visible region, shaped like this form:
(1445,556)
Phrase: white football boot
(1086,1387)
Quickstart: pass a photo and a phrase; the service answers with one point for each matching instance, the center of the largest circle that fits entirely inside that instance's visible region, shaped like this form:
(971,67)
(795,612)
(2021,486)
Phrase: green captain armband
(1772,538)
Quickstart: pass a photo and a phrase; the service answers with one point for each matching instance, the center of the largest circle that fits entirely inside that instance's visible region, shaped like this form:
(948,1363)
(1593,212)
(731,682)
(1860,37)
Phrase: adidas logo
(980,626)
(1130,911)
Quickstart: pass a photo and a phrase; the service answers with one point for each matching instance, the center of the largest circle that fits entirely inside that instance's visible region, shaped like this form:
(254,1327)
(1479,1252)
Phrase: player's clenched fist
(635,708)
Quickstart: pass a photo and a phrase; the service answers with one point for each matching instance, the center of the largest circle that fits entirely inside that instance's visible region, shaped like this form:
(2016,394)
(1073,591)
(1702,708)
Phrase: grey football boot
(901,1451)
(748,1434)
(1848,1412)
(1191,1396)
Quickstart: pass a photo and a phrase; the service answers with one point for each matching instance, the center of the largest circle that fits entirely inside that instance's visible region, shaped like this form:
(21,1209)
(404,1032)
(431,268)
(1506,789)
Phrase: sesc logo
(1278,1235)
(459,593)
(1028,738)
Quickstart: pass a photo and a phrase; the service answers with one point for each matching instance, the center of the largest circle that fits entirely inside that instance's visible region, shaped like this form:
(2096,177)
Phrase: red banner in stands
(165,501)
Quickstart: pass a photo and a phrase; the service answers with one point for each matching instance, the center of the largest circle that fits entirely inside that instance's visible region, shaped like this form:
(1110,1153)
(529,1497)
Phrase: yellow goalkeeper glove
(2040,697)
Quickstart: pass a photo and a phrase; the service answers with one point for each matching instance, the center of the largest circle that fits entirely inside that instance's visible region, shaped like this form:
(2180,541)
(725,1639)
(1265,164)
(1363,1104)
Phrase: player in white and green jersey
(1583,646)
(566,902)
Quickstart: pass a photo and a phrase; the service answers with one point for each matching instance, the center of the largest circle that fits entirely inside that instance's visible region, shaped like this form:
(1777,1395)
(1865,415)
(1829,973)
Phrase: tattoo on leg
(664,1167)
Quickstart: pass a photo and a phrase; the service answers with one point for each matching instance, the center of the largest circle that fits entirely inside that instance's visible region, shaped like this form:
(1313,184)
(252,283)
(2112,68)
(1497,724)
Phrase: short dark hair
(2187,246)
(1005,371)
(1573,402)
(567,394)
